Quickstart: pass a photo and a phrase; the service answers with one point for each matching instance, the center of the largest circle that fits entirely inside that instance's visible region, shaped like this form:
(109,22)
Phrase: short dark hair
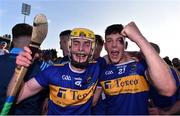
(112,29)
(99,40)
(21,29)
(175,59)
(167,60)
(65,33)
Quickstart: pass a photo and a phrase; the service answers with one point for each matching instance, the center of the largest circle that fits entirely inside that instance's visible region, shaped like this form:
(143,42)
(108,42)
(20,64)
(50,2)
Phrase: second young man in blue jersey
(124,79)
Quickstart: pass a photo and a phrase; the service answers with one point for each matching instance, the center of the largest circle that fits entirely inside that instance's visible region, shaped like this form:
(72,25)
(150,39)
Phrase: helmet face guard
(81,33)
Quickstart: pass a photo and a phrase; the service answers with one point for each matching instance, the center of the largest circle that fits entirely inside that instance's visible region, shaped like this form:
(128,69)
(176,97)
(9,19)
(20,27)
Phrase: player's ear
(105,46)
(126,45)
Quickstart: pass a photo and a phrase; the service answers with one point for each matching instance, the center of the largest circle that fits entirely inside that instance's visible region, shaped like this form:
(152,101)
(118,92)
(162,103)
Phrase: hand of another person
(157,111)
(45,107)
(154,111)
(24,58)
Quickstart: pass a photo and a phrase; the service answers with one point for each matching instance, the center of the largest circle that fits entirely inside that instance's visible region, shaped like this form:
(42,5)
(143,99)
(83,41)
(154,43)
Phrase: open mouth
(114,53)
(80,55)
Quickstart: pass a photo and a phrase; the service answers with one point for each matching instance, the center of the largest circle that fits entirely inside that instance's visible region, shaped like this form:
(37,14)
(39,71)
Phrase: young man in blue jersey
(124,80)
(72,84)
(21,34)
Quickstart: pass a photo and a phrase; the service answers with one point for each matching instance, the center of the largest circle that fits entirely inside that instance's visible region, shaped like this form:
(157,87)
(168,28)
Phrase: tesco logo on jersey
(66,77)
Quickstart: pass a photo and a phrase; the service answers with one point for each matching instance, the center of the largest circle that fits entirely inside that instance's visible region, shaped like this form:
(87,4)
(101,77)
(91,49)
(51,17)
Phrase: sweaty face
(114,45)
(81,49)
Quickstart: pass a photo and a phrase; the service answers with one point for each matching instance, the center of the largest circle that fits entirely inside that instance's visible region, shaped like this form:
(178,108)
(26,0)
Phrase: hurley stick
(40,29)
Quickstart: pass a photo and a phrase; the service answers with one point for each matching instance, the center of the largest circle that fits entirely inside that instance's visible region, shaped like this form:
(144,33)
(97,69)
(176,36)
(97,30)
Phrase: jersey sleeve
(176,77)
(100,78)
(43,77)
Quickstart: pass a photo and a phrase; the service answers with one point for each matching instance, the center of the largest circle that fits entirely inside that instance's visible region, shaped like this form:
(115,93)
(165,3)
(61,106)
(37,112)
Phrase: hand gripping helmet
(81,33)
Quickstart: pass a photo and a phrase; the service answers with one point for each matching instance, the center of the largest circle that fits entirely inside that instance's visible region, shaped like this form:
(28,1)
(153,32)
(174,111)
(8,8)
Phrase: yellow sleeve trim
(58,65)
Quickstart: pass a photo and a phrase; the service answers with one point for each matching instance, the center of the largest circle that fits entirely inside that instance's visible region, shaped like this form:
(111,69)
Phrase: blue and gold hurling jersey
(71,92)
(126,88)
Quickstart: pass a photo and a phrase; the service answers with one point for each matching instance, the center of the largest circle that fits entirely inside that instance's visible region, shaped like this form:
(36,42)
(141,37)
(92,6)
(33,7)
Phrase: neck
(129,57)
(125,58)
(76,69)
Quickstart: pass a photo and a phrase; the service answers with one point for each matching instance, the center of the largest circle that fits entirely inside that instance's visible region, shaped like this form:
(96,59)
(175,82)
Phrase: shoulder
(4,56)
(94,64)
(64,60)
(101,59)
(57,60)
(142,63)
(58,65)
(8,58)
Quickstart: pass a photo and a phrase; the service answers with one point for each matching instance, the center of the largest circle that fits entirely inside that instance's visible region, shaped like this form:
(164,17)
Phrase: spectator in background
(167,60)
(176,63)
(3,49)
(64,38)
(99,46)
(47,57)
(21,37)
(53,54)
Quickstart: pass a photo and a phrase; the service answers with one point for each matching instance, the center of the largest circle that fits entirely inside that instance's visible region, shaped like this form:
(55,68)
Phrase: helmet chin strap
(81,65)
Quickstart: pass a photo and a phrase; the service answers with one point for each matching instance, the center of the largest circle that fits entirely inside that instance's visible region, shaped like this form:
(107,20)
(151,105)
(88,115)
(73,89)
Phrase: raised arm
(159,72)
